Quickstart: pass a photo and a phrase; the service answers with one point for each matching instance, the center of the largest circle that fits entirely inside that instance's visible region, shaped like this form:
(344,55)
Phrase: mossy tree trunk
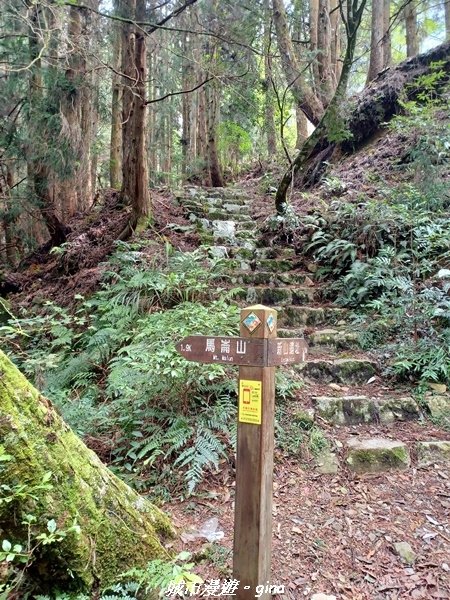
(376,105)
(119,529)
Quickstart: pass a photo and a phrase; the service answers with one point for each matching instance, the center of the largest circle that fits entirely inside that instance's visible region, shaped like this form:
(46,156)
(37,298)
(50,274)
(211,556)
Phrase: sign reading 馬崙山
(231,350)
(256,352)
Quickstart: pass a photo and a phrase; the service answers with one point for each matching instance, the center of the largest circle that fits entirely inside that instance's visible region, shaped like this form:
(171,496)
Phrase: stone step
(274,265)
(293,316)
(280,296)
(354,410)
(267,277)
(376,455)
(223,215)
(382,455)
(336,339)
(349,371)
(430,453)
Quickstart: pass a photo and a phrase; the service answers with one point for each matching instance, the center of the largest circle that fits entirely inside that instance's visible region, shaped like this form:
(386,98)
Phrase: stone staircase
(344,388)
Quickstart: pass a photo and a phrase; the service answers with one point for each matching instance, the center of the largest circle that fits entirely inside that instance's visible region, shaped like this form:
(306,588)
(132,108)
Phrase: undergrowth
(112,368)
(388,257)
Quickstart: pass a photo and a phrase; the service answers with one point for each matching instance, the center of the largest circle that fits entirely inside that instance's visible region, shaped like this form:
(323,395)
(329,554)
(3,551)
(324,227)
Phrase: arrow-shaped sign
(243,351)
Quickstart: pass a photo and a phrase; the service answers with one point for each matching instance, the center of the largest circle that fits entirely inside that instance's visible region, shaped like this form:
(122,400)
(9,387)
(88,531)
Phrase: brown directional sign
(286,351)
(257,352)
(225,350)
(243,351)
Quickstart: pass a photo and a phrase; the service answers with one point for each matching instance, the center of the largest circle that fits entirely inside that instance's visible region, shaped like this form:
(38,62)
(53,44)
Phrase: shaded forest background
(134,95)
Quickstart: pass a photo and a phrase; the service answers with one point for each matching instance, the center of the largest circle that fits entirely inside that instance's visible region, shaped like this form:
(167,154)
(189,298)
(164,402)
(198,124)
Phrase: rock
(440,388)
(376,455)
(322,597)
(224,229)
(335,386)
(312,267)
(327,463)
(404,550)
(432,452)
(218,251)
(344,371)
(398,409)
(348,410)
(438,405)
(304,417)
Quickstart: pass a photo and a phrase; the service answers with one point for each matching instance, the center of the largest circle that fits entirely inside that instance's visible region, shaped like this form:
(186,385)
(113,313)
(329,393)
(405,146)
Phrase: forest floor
(335,534)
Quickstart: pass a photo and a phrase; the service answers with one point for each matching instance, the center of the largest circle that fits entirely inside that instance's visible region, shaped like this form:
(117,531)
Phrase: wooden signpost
(257,352)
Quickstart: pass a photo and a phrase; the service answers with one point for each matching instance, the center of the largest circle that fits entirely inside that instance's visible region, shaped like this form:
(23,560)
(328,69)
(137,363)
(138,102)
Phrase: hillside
(359,266)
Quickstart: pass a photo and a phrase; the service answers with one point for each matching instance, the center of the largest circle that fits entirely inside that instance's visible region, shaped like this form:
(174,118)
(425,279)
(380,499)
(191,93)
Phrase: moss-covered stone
(346,370)
(439,407)
(119,529)
(292,316)
(348,410)
(377,455)
(334,338)
(398,409)
(429,453)
(304,417)
(274,265)
(327,463)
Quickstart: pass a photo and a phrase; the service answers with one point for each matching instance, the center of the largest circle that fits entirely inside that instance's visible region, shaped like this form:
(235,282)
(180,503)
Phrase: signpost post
(257,352)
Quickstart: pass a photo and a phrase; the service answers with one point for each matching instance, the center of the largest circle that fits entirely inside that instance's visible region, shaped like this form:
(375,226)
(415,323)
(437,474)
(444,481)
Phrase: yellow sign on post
(250,401)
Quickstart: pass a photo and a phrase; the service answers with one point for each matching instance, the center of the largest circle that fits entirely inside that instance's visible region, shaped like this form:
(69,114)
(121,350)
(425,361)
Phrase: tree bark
(38,167)
(119,529)
(412,38)
(212,119)
(308,102)
(374,107)
(325,84)
(386,43)
(269,111)
(134,191)
(376,60)
(115,156)
(447,19)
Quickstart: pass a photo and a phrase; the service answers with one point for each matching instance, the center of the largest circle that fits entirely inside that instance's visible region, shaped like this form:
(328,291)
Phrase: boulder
(376,455)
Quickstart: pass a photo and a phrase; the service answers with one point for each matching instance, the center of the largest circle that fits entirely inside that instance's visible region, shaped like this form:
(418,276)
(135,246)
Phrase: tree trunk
(269,111)
(376,105)
(412,38)
(71,113)
(376,60)
(212,119)
(119,529)
(302,127)
(387,48)
(314,44)
(447,19)
(38,169)
(115,156)
(134,191)
(308,102)
(335,21)
(325,84)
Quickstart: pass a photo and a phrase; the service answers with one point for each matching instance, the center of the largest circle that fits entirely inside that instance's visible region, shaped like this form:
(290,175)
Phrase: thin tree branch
(170,94)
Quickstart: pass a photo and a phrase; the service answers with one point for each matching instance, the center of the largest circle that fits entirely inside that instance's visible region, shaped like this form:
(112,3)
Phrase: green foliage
(16,556)
(143,584)
(388,256)
(112,368)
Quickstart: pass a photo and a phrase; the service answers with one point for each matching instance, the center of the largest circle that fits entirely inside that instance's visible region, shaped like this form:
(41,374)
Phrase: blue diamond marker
(270,323)
(251,322)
